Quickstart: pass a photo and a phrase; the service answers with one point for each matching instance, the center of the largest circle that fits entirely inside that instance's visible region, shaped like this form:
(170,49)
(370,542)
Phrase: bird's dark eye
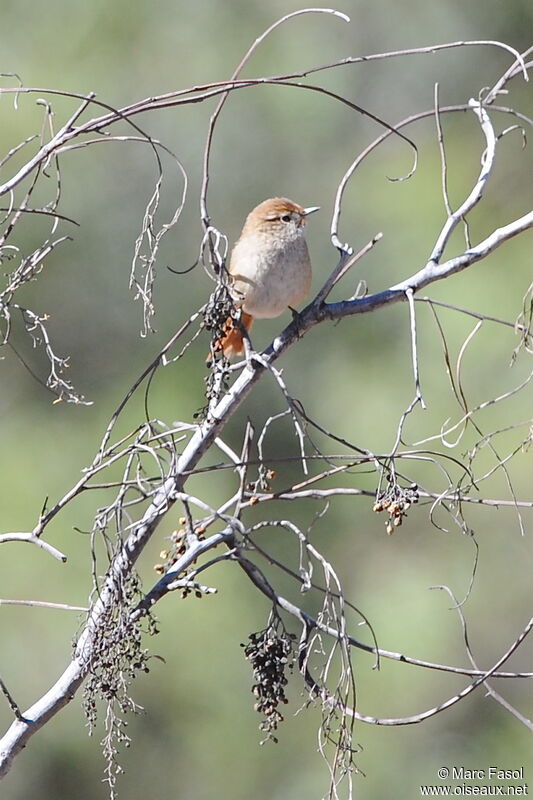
(285,218)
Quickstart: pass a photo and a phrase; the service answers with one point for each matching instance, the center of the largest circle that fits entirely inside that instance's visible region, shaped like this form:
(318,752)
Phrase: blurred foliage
(199,736)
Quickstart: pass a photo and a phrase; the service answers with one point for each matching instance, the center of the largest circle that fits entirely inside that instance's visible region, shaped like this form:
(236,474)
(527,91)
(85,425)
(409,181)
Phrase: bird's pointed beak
(310,210)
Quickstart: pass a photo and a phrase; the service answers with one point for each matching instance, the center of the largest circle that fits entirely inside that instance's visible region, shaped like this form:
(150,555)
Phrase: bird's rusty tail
(231,343)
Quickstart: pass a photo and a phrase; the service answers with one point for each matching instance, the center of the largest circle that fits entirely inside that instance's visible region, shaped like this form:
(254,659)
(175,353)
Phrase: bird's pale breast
(268,279)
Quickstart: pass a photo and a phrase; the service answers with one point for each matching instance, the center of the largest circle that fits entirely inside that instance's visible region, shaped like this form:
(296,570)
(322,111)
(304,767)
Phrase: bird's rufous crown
(275,209)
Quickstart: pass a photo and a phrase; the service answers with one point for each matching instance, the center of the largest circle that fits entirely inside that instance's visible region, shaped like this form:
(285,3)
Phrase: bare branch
(31,538)
(42,604)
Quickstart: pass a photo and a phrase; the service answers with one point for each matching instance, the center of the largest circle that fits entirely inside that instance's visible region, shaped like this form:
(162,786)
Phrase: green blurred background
(198,737)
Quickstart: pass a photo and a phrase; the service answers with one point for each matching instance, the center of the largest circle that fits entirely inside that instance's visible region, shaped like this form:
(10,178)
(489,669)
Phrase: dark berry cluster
(218,314)
(270,653)
(396,501)
(118,654)
(219,307)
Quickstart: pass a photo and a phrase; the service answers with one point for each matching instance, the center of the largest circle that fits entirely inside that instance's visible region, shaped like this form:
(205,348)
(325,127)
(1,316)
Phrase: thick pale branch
(487,162)
(436,272)
(64,689)
(429,274)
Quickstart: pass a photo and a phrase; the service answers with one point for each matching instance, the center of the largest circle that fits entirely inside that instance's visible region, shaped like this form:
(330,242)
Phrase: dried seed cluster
(396,501)
(177,549)
(270,653)
(263,483)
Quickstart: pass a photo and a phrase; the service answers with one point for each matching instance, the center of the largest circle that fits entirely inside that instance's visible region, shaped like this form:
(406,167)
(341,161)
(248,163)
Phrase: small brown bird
(270,268)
